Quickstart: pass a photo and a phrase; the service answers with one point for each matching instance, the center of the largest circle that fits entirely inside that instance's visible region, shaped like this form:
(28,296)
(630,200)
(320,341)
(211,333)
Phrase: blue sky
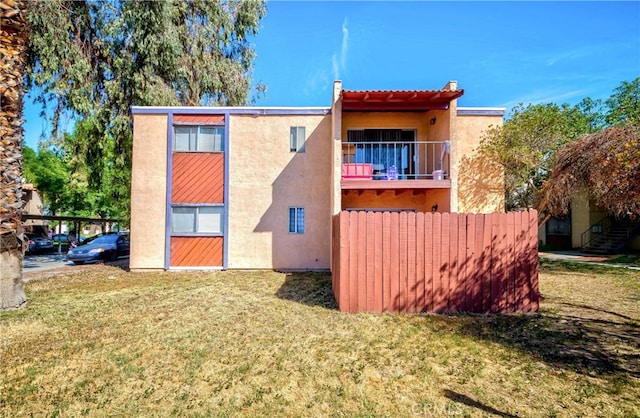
(501,53)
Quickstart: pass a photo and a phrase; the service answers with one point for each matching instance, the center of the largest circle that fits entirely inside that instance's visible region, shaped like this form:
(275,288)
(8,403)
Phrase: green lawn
(103,341)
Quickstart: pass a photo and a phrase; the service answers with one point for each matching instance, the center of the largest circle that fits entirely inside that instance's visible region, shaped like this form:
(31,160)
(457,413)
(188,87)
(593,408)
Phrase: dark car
(60,239)
(37,244)
(106,247)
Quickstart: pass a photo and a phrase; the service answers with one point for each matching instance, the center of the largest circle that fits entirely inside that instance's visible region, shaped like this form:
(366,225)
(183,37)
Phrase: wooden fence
(435,262)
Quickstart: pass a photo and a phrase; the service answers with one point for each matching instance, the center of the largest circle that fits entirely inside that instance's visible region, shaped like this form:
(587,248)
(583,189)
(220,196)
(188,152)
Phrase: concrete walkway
(579,257)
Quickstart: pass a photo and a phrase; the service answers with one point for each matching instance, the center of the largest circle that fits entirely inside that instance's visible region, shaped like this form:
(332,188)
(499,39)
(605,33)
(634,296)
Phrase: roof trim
(397,100)
(481,111)
(202,110)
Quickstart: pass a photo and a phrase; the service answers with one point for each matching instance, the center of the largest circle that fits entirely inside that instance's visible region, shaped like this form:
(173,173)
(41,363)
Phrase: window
(297,139)
(199,138)
(296,220)
(197,219)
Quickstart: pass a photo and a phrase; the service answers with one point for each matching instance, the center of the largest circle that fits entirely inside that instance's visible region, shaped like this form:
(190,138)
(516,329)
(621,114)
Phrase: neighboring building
(256,187)
(34,206)
(591,229)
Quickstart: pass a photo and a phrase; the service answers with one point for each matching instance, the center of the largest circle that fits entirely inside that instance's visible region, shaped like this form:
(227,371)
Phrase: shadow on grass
(465,400)
(606,345)
(308,288)
(585,345)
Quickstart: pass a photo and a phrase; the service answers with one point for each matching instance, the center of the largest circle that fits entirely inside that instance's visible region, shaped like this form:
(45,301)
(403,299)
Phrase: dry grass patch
(107,342)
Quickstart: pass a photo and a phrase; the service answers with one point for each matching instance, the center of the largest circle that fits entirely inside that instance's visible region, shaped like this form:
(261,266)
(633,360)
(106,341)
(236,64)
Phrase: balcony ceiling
(397,100)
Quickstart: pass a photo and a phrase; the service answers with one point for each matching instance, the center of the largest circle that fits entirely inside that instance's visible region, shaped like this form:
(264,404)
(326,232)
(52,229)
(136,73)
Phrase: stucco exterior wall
(402,199)
(266,179)
(148,191)
(480,184)
(399,120)
(580,218)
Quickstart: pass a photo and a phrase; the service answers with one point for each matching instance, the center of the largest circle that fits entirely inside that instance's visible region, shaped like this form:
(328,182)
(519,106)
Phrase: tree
(96,59)
(605,164)
(13,33)
(50,174)
(524,146)
(624,104)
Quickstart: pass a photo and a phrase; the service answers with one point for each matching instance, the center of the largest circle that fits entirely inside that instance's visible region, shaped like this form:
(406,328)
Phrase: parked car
(60,239)
(107,247)
(37,243)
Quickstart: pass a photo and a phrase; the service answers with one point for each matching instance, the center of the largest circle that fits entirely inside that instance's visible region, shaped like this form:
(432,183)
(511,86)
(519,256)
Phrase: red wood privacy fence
(435,262)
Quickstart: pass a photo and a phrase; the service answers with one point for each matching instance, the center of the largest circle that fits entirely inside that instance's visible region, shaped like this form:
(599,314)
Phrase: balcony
(395,165)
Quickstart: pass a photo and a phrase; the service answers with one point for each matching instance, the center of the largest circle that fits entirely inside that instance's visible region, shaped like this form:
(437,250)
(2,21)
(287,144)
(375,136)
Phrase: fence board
(394,252)
(407,262)
(386,263)
(428,266)
(361,255)
(377,263)
(411,262)
(436,291)
(403,261)
(447,279)
(420,262)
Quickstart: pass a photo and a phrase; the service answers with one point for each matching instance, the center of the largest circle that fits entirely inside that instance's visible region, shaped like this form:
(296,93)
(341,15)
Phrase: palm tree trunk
(13,36)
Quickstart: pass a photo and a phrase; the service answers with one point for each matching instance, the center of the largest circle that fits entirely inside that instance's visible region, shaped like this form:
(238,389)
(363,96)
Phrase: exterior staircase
(610,236)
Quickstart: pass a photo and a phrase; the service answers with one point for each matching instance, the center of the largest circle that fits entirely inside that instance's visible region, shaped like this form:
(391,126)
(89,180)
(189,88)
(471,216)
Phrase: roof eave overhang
(398,101)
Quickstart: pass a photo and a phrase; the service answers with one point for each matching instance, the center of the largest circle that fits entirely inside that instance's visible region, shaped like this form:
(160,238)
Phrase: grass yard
(105,342)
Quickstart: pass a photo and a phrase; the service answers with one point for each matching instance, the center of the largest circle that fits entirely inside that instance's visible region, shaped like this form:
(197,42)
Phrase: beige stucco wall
(480,184)
(265,179)
(336,147)
(400,199)
(400,120)
(148,191)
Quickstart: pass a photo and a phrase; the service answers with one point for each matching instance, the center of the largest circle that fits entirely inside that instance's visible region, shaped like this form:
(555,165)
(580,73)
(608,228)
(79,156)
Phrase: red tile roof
(397,100)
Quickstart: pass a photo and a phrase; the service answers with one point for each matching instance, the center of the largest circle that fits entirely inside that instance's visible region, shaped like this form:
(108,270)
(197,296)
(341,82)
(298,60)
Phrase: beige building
(257,187)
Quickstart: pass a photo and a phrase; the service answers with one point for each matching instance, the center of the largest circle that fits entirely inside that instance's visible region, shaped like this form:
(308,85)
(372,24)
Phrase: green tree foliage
(526,145)
(50,175)
(95,59)
(624,104)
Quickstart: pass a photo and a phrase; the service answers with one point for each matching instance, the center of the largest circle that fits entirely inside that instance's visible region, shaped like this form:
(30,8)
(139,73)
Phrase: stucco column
(453,152)
(336,147)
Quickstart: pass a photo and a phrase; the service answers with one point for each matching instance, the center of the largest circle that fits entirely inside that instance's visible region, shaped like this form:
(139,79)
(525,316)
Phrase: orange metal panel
(199,119)
(196,251)
(197,177)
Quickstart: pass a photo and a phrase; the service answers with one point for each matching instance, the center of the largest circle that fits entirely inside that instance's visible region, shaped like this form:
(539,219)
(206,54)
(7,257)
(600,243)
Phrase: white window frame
(195,132)
(296,214)
(197,211)
(297,139)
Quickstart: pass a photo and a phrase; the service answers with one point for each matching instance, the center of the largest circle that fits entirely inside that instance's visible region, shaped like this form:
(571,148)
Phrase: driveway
(39,266)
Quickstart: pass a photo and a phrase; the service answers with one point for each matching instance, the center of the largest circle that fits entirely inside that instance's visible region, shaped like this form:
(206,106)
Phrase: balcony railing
(412,160)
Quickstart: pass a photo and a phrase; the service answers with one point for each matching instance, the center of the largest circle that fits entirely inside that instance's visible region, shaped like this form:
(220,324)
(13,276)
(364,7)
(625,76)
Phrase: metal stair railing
(609,237)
